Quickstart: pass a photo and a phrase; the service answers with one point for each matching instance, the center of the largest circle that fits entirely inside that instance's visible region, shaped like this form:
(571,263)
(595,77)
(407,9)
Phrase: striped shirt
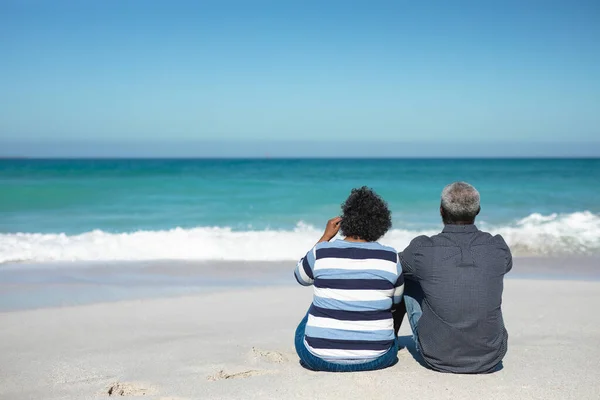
(355,286)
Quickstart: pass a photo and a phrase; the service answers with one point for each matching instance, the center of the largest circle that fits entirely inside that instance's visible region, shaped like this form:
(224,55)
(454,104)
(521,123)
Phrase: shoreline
(50,285)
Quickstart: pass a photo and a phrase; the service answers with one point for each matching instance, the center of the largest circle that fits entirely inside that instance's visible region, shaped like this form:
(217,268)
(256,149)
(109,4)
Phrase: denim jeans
(413,298)
(312,362)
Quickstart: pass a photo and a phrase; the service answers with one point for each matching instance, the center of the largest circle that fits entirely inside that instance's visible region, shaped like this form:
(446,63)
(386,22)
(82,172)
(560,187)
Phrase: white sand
(239,345)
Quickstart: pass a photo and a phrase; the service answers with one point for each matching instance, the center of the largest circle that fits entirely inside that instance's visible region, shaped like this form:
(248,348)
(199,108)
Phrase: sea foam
(555,234)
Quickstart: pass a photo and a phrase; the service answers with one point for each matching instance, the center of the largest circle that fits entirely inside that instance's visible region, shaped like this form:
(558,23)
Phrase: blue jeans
(413,298)
(312,362)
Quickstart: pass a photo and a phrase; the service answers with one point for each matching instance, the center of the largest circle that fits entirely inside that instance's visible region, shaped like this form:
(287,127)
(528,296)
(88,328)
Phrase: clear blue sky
(266,71)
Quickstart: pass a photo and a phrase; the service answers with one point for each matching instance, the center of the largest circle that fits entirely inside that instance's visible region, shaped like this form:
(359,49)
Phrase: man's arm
(409,259)
(507,252)
(509,262)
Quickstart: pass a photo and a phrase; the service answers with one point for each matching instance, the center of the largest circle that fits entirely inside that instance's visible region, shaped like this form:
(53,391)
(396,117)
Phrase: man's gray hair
(460,201)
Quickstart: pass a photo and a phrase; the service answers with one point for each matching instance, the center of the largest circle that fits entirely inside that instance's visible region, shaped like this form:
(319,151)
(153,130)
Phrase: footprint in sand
(244,374)
(270,356)
(129,389)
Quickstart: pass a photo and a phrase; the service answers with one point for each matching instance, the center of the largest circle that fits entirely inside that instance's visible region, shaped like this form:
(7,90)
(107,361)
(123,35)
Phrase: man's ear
(478,210)
(442,211)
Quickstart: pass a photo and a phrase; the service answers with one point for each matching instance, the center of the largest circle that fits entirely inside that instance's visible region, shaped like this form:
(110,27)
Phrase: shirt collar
(460,228)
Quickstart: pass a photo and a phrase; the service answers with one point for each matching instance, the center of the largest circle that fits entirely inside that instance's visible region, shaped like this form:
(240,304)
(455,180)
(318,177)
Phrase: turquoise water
(109,198)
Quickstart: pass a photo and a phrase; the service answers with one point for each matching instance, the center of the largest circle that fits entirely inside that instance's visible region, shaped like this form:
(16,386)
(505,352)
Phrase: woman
(357,282)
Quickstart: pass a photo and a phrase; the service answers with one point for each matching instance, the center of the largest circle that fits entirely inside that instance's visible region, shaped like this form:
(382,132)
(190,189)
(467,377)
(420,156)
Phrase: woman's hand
(332,228)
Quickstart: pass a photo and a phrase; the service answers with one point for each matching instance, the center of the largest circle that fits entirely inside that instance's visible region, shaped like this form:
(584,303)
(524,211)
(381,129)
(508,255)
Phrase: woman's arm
(331,229)
(305,267)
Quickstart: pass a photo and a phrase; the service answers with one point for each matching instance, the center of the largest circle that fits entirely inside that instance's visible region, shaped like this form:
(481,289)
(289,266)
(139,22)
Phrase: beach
(173,279)
(217,340)
(174,174)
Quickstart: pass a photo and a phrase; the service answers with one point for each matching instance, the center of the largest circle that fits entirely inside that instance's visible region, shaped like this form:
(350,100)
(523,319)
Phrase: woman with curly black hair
(357,282)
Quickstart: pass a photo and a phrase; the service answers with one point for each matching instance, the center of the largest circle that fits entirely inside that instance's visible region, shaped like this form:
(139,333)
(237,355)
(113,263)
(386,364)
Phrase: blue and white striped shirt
(355,286)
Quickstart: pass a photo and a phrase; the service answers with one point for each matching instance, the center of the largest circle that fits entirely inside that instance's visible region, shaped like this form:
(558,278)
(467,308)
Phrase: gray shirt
(461,272)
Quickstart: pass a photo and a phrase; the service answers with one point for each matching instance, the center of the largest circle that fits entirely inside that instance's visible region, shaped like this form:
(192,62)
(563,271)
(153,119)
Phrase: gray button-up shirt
(461,272)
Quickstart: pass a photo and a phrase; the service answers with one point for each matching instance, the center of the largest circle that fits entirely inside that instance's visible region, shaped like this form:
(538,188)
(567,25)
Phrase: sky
(155,76)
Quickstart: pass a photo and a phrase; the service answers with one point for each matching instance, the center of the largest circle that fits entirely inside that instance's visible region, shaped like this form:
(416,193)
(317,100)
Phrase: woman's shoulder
(343,244)
(386,248)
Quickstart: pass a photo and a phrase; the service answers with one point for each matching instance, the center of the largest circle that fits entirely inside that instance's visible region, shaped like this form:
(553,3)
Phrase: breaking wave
(555,234)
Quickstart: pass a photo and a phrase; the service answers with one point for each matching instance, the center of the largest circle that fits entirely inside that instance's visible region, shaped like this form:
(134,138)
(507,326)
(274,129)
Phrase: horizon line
(266,158)
(293,149)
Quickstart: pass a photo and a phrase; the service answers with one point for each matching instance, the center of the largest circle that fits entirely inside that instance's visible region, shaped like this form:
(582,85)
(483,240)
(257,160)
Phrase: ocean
(275,209)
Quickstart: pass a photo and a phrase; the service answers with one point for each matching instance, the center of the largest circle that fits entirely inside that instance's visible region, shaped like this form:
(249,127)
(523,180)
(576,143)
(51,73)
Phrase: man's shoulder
(421,241)
(484,238)
(444,240)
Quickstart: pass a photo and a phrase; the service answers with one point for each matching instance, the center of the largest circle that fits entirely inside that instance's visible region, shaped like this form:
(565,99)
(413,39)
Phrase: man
(453,289)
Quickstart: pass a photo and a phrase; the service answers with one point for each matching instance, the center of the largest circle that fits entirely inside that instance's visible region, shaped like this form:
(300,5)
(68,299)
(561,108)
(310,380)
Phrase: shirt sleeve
(508,254)
(408,259)
(399,286)
(304,269)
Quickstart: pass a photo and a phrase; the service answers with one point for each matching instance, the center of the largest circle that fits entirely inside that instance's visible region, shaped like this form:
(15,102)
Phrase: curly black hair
(365,215)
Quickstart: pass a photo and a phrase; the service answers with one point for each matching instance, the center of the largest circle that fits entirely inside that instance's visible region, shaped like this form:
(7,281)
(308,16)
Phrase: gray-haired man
(453,289)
